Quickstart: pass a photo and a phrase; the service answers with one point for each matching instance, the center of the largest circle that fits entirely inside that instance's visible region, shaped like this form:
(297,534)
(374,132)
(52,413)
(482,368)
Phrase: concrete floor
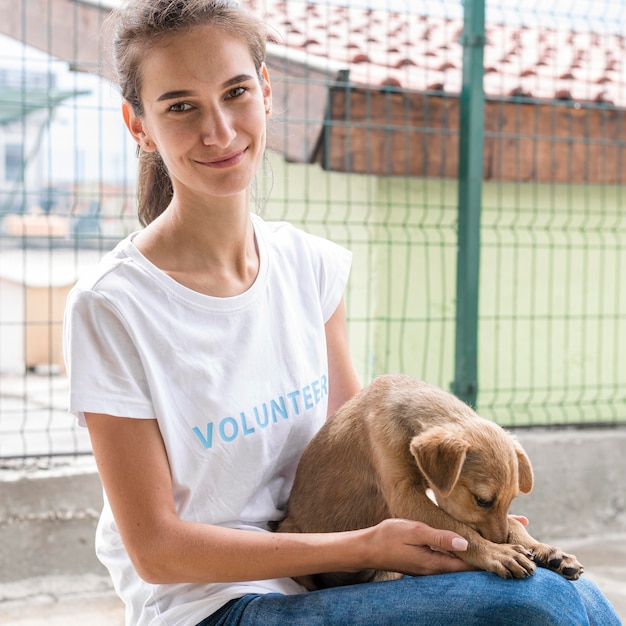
(87,600)
(89,610)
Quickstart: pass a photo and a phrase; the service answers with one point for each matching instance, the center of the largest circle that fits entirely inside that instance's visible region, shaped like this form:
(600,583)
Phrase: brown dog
(380,452)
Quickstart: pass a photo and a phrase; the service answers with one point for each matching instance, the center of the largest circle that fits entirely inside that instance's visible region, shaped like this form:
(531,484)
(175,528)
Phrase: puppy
(399,437)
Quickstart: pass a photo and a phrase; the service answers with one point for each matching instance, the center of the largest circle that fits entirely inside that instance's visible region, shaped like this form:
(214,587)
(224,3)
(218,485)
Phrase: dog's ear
(524,469)
(440,455)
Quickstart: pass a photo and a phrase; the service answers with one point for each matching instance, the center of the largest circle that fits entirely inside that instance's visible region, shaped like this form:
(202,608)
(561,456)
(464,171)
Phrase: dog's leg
(544,555)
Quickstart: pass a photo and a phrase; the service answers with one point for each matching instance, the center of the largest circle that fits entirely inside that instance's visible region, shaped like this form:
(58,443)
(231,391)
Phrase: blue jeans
(464,599)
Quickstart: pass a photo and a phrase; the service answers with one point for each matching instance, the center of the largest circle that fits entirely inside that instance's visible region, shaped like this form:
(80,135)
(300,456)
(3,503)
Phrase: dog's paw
(509,561)
(555,559)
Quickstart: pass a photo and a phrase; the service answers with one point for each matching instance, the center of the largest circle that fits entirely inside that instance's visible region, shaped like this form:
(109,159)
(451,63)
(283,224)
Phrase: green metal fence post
(471,130)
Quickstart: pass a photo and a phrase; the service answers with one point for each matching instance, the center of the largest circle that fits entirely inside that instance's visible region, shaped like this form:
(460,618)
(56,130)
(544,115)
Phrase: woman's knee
(546,598)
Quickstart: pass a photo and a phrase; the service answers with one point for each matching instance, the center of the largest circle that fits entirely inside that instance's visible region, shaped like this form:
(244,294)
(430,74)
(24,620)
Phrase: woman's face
(205,111)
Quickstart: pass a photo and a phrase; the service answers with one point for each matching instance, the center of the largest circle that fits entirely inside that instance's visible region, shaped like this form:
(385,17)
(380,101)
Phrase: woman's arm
(344,382)
(134,469)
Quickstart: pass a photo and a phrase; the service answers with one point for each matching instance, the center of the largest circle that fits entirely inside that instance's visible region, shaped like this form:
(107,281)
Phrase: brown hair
(140,24)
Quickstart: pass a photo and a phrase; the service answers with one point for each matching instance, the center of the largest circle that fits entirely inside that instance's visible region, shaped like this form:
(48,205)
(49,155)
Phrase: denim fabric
(465,599)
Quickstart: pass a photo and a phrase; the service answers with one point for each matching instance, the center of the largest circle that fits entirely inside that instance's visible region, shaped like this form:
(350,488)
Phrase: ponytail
(154,187)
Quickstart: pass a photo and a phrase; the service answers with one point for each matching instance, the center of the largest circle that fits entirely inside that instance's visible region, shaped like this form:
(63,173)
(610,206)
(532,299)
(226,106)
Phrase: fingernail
(459,544)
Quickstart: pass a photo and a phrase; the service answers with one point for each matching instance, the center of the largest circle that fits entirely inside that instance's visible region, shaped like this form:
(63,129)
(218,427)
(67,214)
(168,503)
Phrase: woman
(206,350)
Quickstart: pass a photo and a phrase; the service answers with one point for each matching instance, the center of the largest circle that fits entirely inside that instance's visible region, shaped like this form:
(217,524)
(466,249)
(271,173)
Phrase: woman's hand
(414,548)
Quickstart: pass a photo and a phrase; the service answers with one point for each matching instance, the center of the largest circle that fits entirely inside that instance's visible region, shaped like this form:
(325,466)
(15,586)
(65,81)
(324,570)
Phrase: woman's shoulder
(286,237)
(91,274)
(117,271)
(306,259)
(276,228)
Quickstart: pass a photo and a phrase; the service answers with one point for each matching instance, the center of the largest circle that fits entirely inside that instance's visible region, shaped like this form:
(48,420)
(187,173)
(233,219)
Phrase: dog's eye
(482,502)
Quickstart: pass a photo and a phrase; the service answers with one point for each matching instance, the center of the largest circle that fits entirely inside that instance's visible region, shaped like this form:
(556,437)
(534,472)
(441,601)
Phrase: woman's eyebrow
(172,95)
(186,93)
(241,78)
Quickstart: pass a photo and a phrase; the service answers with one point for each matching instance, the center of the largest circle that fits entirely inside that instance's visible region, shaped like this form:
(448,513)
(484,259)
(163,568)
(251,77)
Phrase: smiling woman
(207,349)
(134,34)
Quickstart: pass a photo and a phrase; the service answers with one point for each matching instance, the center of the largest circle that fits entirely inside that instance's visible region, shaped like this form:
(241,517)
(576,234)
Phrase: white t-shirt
(238,385)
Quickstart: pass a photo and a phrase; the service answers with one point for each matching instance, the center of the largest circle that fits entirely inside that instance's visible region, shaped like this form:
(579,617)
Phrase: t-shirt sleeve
(104,369)
(332,273)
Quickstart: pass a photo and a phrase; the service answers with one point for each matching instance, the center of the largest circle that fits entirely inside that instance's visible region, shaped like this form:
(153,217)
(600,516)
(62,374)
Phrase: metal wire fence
(364,149)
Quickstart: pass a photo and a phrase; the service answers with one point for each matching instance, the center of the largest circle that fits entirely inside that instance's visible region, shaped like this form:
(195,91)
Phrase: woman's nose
(217,129)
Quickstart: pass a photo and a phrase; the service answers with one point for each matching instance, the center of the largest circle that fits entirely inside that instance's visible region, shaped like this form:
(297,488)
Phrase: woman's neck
(210,250)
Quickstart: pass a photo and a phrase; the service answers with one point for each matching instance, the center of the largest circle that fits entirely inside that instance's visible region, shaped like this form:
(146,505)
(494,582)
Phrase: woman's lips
(227,161)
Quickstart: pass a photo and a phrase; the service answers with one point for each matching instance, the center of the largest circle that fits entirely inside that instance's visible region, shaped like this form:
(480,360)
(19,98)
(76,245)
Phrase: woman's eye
(179,107)
(237,91)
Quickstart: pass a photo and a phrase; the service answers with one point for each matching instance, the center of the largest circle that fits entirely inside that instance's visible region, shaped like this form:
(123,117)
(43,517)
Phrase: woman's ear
(135,127)
(267,89)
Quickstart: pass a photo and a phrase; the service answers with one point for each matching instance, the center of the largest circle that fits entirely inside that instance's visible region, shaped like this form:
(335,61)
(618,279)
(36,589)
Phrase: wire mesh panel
(552,282)
(363,149)
(66,195)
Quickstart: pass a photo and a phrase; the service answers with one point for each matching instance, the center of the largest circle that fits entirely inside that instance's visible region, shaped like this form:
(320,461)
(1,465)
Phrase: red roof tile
(424,52)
